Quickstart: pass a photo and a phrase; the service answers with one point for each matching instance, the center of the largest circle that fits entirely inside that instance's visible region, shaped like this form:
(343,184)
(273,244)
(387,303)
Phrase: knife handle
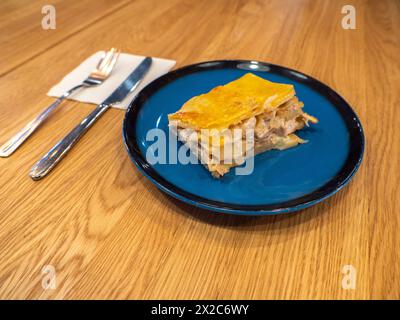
(50,160)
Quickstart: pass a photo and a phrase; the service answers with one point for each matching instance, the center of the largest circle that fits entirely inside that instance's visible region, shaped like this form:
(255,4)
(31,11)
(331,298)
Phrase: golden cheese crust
(232,103)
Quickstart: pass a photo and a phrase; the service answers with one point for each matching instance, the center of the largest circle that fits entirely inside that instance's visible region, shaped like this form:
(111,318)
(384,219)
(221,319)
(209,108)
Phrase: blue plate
(282,181)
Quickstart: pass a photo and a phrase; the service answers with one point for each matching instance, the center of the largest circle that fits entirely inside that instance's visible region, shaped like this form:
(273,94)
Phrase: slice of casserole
(208,124)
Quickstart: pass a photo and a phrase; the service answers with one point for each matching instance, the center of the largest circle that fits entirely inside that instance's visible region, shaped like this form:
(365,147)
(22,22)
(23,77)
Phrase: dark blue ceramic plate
(282,181)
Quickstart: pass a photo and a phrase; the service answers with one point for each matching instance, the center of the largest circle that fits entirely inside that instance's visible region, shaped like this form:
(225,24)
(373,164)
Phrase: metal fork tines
(96,77)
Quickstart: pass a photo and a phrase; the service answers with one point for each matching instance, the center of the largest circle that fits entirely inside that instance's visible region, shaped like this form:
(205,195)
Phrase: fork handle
(11,145)
(50,160)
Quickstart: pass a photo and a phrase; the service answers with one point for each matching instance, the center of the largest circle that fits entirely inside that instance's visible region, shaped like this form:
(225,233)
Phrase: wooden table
(109,233)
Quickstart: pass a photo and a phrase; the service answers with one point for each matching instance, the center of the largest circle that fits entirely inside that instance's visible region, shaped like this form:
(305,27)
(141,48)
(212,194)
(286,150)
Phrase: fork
(95,78)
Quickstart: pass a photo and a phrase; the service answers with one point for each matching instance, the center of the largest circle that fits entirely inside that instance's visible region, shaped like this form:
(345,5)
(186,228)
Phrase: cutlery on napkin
(126,63)
(54,156)
(96,77)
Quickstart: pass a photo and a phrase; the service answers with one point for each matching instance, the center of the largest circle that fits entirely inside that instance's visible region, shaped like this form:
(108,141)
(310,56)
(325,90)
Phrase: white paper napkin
(125,65)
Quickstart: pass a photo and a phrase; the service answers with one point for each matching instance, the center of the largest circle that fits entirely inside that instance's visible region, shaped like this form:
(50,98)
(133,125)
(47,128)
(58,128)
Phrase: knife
(50,160)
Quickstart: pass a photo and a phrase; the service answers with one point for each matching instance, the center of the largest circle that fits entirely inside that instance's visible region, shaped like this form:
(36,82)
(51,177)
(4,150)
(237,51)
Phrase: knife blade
(130,83)
(51,158)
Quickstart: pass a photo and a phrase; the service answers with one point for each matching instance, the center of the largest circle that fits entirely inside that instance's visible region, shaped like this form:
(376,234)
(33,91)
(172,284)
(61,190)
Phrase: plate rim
(332,186)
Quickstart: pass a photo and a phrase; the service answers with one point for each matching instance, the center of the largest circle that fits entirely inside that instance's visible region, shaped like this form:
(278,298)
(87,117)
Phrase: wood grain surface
(109,233)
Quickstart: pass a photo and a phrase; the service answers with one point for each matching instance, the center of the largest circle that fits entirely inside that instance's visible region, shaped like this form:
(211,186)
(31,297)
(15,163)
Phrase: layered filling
(220,150)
